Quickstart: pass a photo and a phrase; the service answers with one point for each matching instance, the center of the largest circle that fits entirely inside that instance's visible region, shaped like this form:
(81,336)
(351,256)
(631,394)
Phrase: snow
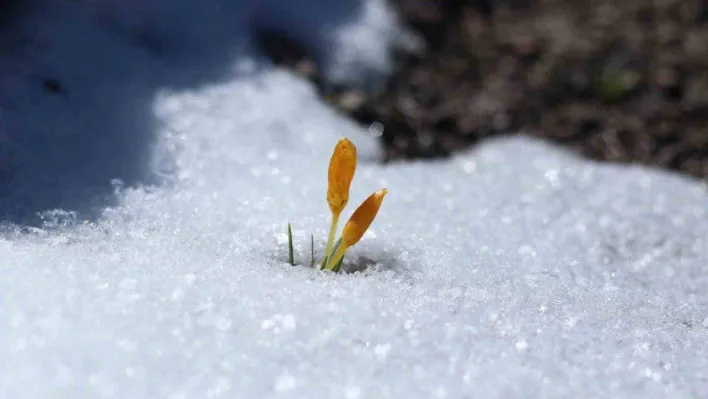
(511,270)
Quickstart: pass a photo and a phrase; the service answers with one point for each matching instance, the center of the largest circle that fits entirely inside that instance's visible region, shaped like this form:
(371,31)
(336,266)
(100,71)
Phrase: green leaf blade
(312,250)
(291,254)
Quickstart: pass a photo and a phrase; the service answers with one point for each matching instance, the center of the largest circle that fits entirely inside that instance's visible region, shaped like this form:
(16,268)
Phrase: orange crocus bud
(361,219)
(357,225)
(341,172)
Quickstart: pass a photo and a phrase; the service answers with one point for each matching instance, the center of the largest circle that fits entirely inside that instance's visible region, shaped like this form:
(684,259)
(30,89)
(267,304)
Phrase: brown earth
(614,80)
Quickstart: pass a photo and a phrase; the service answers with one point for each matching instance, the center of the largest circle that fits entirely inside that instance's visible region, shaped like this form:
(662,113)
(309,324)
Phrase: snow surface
(515,270)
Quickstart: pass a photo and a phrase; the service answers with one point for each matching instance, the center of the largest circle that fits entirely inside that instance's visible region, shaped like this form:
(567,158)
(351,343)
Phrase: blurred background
(613,80)
(623,81)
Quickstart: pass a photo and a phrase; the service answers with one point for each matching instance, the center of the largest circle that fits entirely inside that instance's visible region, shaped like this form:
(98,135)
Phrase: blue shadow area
(78,80)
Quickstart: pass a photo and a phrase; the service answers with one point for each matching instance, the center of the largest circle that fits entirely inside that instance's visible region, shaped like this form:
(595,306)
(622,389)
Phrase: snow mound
(78,81)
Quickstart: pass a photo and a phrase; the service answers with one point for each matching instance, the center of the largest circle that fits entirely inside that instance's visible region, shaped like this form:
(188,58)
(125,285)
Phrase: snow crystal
(511,270)
(285,382)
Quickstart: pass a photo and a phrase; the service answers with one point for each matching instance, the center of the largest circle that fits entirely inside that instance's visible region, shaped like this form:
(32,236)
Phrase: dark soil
(614,80)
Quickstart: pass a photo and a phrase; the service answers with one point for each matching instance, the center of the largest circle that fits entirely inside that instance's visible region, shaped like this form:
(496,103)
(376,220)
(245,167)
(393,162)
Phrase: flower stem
(330,239)
(338,255)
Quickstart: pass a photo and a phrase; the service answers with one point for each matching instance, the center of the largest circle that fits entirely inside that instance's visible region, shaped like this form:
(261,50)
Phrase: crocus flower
(357,225)
(342,166)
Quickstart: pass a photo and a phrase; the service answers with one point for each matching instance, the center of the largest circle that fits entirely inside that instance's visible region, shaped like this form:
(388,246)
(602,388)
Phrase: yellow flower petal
(361,219)
(341,172)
